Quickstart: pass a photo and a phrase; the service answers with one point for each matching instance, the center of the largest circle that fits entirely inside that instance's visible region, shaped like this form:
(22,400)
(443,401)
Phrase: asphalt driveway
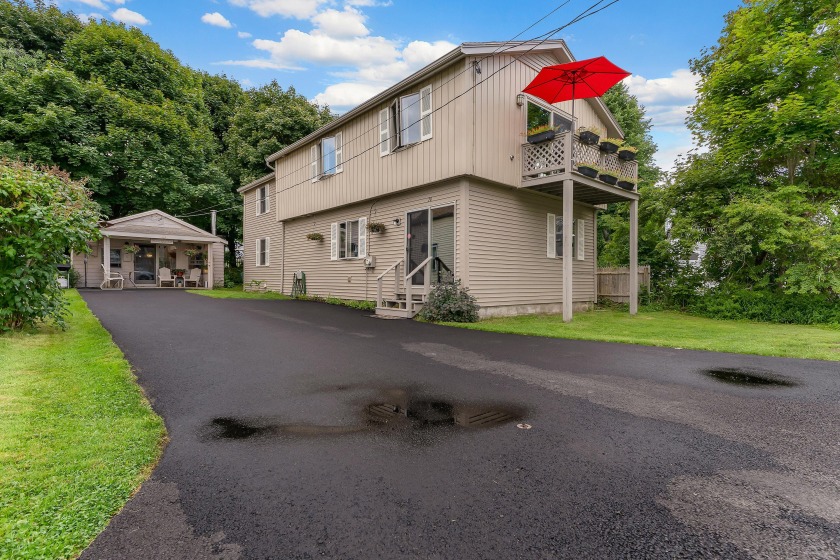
(303,430)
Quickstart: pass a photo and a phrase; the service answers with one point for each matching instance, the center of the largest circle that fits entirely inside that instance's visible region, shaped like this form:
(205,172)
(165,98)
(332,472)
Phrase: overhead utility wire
(580,17)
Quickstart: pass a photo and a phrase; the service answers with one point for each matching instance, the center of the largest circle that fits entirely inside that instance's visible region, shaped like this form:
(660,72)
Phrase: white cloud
(368,3)
(680,86)
(84,18)
(243,34)
(128,16)
(296,47)
(349,23)
(300,9)
(347,94)
(118,2)
(216,19)
(93,4)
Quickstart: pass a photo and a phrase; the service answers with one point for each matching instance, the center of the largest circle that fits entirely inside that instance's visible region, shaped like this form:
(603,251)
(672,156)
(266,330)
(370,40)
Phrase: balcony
(546,165)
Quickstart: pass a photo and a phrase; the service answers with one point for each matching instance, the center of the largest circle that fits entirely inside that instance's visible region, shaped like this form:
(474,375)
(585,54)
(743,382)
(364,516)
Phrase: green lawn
(676,330)
(77,436)
(238,293)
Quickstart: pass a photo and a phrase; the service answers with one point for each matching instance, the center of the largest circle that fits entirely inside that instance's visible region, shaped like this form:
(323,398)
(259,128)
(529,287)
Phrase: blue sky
(342,52)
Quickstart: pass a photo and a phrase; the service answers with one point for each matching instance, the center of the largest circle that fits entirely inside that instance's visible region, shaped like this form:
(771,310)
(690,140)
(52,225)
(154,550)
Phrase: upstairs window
(539,117)
(262,200)
(407,121)
(327,157)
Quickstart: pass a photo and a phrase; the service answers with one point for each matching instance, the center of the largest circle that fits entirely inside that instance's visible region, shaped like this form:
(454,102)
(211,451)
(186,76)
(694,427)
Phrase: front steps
(400,307)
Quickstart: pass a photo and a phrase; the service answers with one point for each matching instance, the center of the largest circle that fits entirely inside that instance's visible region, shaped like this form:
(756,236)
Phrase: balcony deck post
(634,257)
(568,260)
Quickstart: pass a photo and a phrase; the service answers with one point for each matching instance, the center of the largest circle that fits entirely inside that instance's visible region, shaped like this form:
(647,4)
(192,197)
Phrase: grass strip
(77,436)
(238,293)
(676,330)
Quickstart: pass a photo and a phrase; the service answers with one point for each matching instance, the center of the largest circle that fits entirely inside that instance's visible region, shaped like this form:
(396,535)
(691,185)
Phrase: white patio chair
(165,277)
(111,280)
(195,275)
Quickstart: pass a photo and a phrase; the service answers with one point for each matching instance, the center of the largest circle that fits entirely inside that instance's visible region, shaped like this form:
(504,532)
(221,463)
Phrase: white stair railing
(427,278)
(396,268)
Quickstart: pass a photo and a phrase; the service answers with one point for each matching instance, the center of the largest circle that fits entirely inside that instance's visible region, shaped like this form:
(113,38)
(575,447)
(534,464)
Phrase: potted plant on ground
(314,236)
(540,133)
(610,145)
(589,135)
(376,227)
(627,153)
(588,168)
(626,182)
(607,176)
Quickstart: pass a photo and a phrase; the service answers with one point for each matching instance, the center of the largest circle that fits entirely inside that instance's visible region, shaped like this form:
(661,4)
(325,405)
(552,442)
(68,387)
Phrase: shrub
(73,277)
(449,302)
(233,277)
(43,213)
(766,306)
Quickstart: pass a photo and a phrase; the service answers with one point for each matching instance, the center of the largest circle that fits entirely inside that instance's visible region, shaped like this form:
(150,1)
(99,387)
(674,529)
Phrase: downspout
(368,236)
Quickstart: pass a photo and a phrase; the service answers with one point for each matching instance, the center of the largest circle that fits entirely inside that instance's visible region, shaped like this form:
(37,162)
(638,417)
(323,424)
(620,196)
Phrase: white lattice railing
(550,158)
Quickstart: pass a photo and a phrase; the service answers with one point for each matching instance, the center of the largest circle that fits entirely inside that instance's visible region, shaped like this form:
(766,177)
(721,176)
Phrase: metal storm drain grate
(383,412)
(477,418)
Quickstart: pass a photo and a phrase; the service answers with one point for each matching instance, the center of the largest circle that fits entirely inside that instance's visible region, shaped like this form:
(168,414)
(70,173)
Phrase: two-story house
(434,178)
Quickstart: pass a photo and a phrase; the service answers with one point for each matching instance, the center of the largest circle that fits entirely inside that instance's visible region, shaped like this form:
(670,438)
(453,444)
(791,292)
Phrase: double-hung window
(348,240)
(327,157)
(554,240)
(262,251)
(262,200)
(406,121)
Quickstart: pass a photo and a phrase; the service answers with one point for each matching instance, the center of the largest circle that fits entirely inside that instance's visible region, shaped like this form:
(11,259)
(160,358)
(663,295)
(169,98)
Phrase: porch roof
(156,225)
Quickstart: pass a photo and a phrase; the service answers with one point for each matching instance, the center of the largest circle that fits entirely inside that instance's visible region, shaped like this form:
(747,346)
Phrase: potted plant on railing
(588,168)
(608,176)
(627,153)
(610,145)
(131,249)
(540,133)
(376,227)
(589,135)
(627,182)
(314,236)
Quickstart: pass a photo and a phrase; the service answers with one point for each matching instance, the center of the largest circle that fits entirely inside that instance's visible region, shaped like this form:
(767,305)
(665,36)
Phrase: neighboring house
(156,240)
(441,160)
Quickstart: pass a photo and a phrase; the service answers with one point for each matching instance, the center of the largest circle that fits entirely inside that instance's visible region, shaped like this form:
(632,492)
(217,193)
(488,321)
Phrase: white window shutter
(334,241)
(551,237)
(426,113)
(267,251)
(394,126)
(257,201)
(579,235)
(362,237)
(384,130)
(339,151)
(313,156)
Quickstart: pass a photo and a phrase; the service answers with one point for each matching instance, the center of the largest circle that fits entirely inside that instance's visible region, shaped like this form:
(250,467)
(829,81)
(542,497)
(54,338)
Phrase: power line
(583,15)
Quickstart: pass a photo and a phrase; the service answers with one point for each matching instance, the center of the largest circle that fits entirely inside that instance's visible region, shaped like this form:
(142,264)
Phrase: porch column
(208,282)
(106,256)
(568,260)
(634,257)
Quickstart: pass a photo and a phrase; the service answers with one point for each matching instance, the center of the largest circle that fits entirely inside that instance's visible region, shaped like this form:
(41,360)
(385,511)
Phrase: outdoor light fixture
(396,221)
(520,99)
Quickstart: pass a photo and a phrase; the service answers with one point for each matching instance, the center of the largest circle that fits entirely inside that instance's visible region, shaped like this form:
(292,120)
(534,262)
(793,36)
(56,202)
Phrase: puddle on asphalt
(397,411)
(748,377)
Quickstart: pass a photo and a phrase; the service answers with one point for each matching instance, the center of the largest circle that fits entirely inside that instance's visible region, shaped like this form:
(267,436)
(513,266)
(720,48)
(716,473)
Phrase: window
(555,237)
(198,260)
(348,240)
(116,258)
(262,200)
(539,116)
(327,157)
(407,121)
(262,251)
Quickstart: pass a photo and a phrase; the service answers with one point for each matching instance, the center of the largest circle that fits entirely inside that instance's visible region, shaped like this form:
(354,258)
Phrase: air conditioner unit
(370,262)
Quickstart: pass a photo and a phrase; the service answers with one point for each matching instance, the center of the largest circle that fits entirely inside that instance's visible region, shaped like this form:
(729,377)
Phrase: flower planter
(608,179)
(589,138)
(541,137)
(627,155)
(587,171)
(609,147)
(627,185)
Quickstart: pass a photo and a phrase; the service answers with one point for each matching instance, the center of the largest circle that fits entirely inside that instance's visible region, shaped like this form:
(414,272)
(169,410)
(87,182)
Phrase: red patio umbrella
(575,80)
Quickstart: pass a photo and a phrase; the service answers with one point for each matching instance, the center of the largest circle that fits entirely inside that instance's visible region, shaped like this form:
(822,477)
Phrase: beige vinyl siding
(93,267)
(218,250)
(500,122)
(348,278)
(507,249)
(365,174)
(256,227)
